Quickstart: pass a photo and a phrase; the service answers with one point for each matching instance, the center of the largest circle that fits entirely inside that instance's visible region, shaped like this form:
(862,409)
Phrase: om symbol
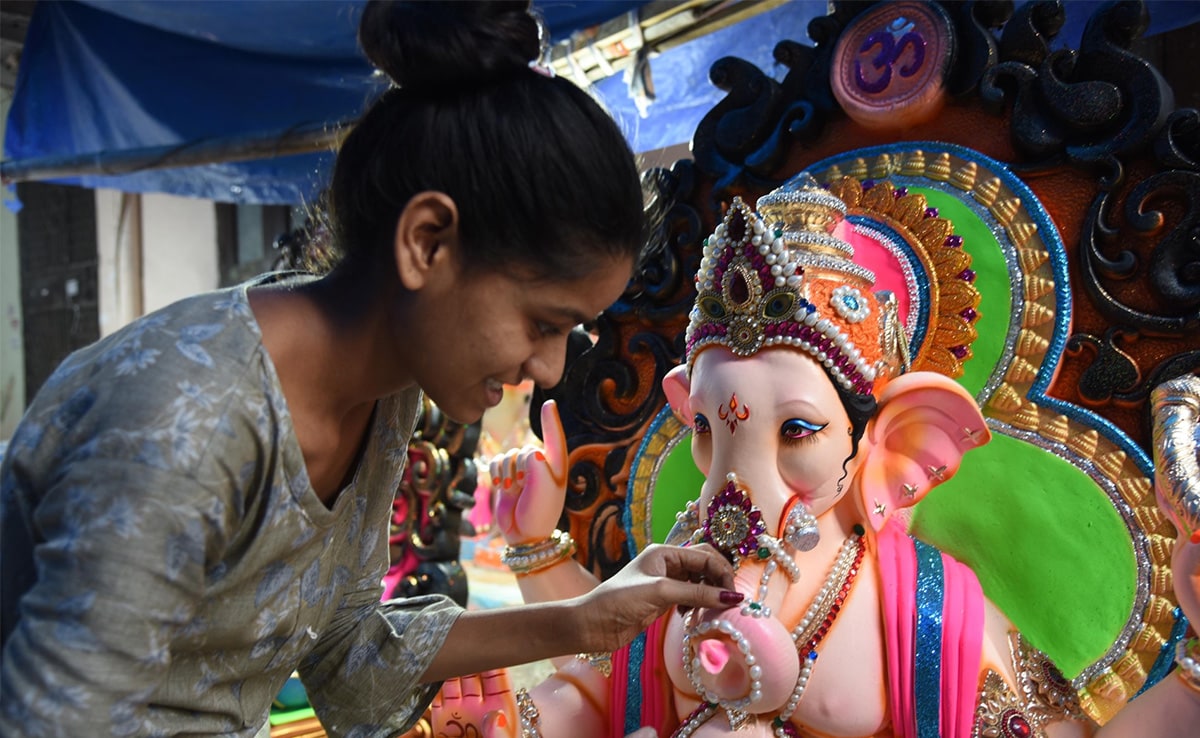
(458,728)
(892,46)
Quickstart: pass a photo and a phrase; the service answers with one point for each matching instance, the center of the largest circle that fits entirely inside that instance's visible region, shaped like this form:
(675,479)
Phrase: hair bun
(444,45)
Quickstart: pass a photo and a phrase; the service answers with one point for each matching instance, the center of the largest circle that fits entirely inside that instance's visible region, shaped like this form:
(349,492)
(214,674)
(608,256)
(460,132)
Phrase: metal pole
(301,139)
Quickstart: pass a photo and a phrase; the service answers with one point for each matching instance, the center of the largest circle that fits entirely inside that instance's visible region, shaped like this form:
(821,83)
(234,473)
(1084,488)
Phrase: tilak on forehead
(782,277)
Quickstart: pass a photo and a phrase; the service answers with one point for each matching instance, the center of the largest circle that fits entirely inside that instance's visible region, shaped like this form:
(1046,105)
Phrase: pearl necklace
(770,547)
(817,622)
(808,633)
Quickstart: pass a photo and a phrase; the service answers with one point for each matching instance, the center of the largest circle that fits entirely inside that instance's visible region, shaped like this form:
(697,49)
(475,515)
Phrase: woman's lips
(495,392)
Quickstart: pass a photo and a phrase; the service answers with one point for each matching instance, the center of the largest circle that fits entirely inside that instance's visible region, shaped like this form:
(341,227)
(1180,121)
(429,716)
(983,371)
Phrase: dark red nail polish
(731,598)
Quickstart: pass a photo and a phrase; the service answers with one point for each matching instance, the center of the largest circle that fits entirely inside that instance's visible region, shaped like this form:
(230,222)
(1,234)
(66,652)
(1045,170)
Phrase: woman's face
(776,421)
(492,329)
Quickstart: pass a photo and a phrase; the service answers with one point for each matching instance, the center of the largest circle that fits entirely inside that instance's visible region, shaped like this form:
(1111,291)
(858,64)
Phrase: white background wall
(179,249)
(119,250)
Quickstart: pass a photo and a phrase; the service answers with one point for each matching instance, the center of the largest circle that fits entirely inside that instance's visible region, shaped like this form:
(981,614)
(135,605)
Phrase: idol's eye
(796,429)
(700,424)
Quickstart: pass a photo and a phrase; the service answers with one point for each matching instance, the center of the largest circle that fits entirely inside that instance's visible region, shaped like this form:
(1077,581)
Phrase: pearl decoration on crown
(787,280)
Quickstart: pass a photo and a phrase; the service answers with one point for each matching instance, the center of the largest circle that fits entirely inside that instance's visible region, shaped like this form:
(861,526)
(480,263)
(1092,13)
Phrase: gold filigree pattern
(1042,696)
(999,713)
(1044,692)
(949,294)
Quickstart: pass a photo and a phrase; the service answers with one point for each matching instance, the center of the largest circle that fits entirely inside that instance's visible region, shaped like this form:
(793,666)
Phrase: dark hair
(860,409)
(544,181)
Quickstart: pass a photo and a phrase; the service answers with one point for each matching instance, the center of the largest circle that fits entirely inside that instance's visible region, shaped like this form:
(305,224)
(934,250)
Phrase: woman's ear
(425,239)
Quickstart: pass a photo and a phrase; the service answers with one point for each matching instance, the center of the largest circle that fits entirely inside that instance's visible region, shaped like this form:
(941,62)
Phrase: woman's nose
(545,366)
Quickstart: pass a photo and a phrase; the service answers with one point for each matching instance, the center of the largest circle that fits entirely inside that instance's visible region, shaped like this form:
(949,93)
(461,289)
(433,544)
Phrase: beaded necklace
(808,633)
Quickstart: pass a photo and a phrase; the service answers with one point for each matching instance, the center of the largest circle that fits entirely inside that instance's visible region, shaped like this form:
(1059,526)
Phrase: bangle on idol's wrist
(1187,662)
(527,714)
(598,660)
(527,558)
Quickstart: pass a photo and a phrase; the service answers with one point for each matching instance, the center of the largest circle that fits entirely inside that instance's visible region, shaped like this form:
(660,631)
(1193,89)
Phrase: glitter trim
(664,426)
(833,263)
(927,683)
(633,684)
(1046,231)
(832,243)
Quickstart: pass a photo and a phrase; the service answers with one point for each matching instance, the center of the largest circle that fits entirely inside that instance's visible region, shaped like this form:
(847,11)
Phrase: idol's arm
(1170,708)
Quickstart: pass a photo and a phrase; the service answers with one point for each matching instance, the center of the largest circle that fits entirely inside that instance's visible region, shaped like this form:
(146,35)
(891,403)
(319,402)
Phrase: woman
(197,505)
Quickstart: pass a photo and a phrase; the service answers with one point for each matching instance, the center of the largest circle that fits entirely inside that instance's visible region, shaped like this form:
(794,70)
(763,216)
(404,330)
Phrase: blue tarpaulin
(111,75)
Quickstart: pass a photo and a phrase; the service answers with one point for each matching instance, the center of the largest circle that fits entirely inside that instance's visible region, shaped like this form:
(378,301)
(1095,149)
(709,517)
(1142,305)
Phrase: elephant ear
(916,441)
(678,387)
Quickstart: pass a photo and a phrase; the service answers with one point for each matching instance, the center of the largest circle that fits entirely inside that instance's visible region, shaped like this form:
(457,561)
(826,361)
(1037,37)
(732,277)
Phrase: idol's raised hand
(531,484)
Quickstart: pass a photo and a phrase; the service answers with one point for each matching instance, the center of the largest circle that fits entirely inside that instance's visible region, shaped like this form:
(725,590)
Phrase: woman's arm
(119,572)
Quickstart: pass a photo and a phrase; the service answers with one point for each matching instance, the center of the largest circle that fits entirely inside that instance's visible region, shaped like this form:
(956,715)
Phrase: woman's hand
(531,484)
(661,577)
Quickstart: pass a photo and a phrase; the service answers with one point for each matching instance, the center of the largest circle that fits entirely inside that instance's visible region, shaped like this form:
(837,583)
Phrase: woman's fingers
(699,594)
(701,563)
(659,578)
(689,577)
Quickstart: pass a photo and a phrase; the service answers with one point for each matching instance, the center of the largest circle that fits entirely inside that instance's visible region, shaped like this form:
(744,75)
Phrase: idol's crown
(782,277)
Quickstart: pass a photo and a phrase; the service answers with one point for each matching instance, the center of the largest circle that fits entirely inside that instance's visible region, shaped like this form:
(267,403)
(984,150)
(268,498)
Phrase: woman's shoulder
(189,370)
(201,332)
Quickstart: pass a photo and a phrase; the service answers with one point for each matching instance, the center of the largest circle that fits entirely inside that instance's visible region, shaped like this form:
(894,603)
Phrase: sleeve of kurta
(364,676)
(120,568)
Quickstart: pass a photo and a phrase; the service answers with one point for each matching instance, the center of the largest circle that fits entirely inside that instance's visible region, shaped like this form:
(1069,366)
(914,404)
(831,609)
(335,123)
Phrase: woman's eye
(546,329)
(796,429)
(700,424)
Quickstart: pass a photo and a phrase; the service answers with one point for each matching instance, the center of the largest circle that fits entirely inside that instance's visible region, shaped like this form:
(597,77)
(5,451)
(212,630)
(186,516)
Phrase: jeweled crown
(781,277)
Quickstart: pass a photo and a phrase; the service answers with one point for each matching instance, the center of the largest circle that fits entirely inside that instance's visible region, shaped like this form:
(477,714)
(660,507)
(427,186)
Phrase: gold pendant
(737,719)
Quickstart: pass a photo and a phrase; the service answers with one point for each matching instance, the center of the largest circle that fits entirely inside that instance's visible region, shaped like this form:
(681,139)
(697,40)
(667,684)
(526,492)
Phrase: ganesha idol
(815,440)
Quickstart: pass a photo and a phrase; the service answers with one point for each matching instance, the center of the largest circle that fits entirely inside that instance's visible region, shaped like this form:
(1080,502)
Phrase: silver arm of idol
(1176,408)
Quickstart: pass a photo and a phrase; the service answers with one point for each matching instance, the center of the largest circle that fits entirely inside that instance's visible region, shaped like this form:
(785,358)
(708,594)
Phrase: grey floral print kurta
(166,563)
